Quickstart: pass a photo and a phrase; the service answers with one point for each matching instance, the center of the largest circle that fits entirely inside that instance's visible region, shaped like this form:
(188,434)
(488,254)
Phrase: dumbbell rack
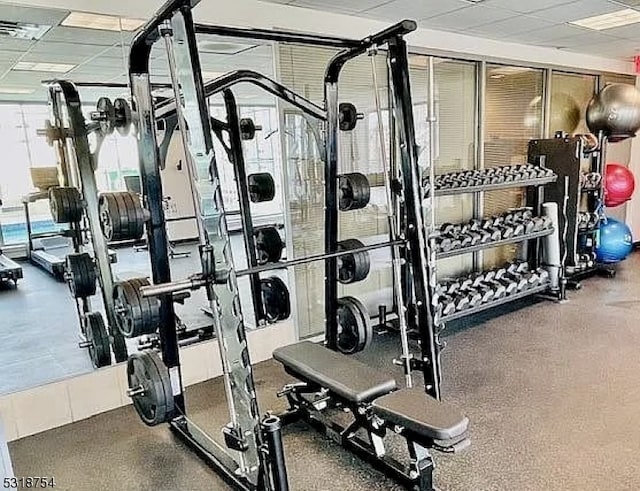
(532,177)
(566,155)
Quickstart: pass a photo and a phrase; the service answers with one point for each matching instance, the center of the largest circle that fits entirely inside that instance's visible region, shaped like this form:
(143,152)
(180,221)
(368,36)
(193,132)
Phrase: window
(570,95)
(513,116)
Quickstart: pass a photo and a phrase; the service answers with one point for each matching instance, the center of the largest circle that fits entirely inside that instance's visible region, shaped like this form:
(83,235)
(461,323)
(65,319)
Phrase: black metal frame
(309,402)
(174,19)
(64,94)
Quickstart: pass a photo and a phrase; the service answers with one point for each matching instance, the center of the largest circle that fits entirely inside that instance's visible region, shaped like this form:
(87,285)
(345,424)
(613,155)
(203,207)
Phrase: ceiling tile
(526,6)
(576,10)
(510,28)
(50,17)
(349,7)
(413,9)
(467,18)
(44,49)
(547,36)
(85,36)
(631,32)
(11,44)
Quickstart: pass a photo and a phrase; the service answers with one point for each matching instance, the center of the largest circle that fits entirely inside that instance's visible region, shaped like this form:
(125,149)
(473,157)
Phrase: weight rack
(573,158)
(533,178)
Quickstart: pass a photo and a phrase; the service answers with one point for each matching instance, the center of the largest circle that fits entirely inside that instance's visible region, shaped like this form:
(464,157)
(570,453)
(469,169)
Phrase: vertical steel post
(423,276)
(331,213)
(235,145)
(157,241)
(223,295)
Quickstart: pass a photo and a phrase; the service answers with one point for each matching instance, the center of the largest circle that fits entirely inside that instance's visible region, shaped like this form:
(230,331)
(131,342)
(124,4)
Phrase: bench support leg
(421,466)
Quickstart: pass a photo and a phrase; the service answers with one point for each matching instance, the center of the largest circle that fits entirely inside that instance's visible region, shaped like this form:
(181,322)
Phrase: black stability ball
(615,111)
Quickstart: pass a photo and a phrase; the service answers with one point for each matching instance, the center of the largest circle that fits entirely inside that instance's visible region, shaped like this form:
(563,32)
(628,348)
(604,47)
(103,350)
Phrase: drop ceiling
(101,56)
(535,22)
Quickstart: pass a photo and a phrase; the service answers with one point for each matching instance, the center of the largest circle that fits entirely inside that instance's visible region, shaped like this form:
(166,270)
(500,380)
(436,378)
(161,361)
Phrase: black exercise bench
(332,381)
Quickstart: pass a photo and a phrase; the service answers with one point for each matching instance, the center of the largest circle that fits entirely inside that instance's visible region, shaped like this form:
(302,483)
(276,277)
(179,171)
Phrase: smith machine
(253,458)
(77,203)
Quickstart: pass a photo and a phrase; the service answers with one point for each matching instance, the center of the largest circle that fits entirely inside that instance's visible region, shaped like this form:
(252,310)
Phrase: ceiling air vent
(22,30)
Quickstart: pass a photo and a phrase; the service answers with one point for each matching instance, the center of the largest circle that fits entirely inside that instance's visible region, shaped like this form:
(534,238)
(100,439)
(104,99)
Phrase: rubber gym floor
(551,391)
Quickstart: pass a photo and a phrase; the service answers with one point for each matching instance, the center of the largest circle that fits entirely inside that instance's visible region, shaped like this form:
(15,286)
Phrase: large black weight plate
(98,340)
(81,275)
(65,204)
(354,327)
(150,385)
(268,245)
(353,267)
(121,216)
(275,298)
(122,112)
(107,115)
(261,187)
(354,190)
(135,314)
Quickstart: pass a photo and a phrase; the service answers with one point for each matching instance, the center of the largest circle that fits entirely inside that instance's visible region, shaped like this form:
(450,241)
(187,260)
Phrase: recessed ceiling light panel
(15,90)
(609,21)
(87,20)
(37,66)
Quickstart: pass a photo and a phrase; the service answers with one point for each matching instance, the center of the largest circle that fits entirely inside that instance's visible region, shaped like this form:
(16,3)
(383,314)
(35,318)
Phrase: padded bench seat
(421,414)
(344,376)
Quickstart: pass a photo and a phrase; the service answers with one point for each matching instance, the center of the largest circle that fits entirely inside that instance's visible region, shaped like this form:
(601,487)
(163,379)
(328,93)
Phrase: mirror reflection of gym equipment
(334,233)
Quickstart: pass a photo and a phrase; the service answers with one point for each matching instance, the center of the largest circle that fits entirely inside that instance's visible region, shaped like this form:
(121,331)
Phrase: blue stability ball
(615,242)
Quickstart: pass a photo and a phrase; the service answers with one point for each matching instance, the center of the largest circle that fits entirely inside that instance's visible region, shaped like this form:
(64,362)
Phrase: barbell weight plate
(247,129)
(355,191)
(348,116)
(354,327)
(269,245)
(261,187)
(353,267)
(98,340)
(122,116)
(121,216)
(119,347)
(107,115)
(275,298)
(65,204)
(82,275)
(150,385)
(135,314)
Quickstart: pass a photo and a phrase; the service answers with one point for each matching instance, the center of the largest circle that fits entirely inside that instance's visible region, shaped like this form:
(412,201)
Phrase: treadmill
(48,250)
(9,269)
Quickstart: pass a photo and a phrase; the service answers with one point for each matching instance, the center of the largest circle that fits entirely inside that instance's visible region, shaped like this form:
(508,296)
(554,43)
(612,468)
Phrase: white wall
(253,13)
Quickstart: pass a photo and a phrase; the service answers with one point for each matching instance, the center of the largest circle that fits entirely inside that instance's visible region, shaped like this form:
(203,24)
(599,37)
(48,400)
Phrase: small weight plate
(107,115)
(269,245)
(119,347)
(135,314)
(98,340)
(150,386)
(353,267)
(348,116)
(261,187)
(65,204)
(82,275)
(122,112)
(354,327)
(247,129)
(275,298)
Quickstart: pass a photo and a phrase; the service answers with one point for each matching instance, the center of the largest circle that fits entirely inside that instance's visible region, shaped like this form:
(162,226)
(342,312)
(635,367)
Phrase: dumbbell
(541,223)
(543,276)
